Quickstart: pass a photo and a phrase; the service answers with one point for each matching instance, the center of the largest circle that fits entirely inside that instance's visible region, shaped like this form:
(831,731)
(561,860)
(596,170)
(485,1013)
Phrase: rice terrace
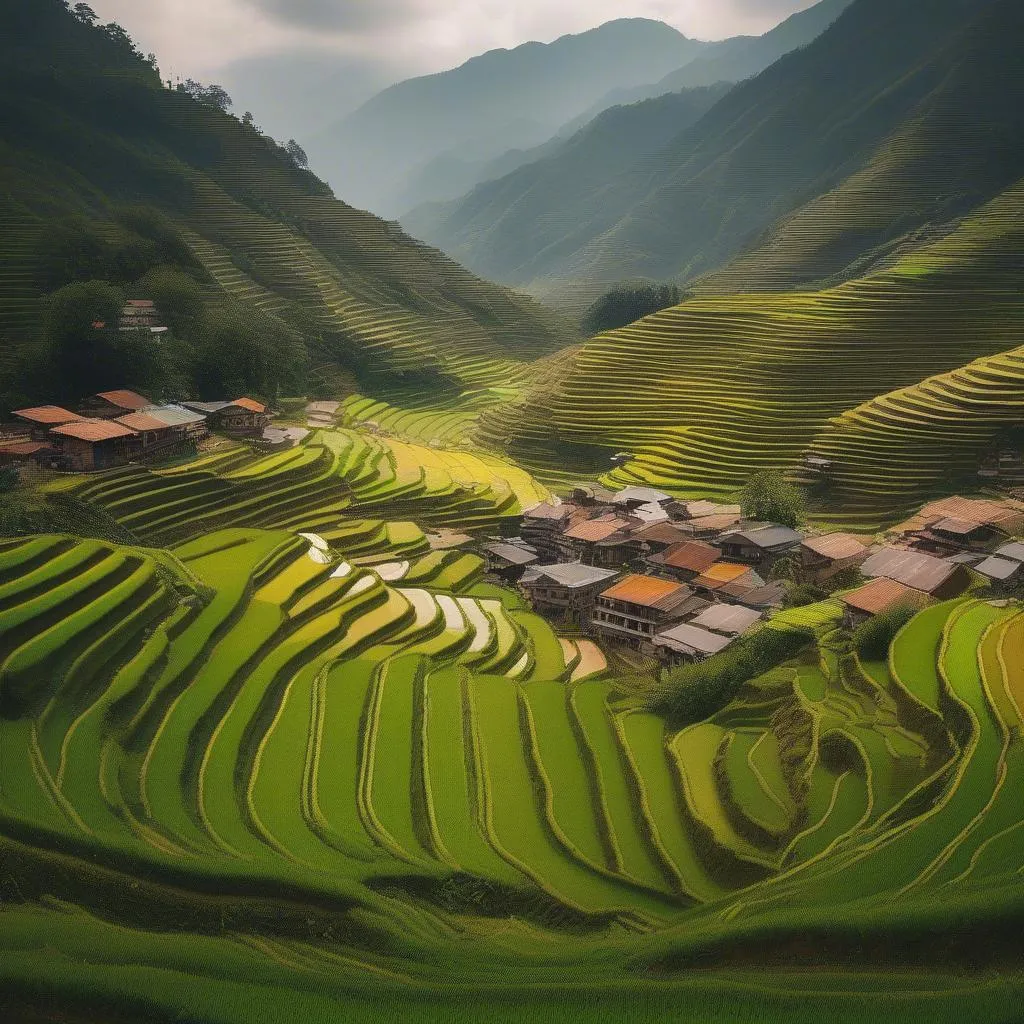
(608,608)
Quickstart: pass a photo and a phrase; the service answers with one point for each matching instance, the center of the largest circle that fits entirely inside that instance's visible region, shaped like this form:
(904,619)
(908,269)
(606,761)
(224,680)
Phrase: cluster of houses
(681,580)
(112,428)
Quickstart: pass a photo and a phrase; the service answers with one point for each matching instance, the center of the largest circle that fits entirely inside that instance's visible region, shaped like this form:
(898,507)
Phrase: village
(681,581)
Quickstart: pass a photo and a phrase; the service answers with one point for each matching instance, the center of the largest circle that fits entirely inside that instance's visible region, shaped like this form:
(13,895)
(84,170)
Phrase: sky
(398,38)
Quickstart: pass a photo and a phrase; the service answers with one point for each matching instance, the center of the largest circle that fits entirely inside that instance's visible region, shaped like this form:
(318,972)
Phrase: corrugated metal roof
(206,407)
(545,510)
(998,568)
(911,568)
(643,495)
(720,573)
(729,619)
(24,448)
(594,530)
(881,594)
(957,527)
(94,430)
(175,415)
(770,537)
(689,639)
(512,553)
(1014,551)
(648,592)
(837,546)
(701,509)
(720,521)
(142,421)
(125,399)
(575,574)
(50,415)
(771,595)
(249,403)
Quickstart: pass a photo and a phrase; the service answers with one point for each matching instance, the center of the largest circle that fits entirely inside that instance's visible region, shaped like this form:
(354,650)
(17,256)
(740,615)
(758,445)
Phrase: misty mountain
(879,89)
(440,126)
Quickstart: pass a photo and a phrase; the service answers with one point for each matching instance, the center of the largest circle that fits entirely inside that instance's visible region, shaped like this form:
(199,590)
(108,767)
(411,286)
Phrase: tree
(208,95)
(85,14)
(297,153)
(629,303)
(81,329)
(768,497)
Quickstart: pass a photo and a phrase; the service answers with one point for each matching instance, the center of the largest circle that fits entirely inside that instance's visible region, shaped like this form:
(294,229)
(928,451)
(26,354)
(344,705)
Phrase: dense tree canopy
(629,303)
(768,497)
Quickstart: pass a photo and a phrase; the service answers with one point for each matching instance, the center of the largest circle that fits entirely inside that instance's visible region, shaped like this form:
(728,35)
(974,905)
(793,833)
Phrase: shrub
(768,497)
(874,637)
(694,692)
(627,304)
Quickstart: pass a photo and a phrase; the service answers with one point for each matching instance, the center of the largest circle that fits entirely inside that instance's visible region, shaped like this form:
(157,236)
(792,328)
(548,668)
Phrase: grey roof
(206,407)
(911,568)
(999,568)
(573,574)
(1014,551)
(175,415)
(771,537)
(644,495)
(771,595)
(968,558)
(687,639)
(729,619)
(515,554)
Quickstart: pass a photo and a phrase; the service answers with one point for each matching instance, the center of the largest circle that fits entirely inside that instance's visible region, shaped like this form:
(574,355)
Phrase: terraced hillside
(106,174)
(713,390)
(360,492)
(328,784)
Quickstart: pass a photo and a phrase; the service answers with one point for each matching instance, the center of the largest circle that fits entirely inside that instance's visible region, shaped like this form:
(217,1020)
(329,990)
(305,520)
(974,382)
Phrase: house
(542,527)
(141,315)
(635,497)
(591,496)
(1006,515)
(188,425)
(508,560)
(659,537)
(726,574)
(712,526)
(821,558)
(914,569)
(18,453)
(684,562)
(687,643)
(878,596)
(1002,572)
(727,619)
(108,405)
(89,444)
(152,437)
(762,545)
(606,540)
(952,536)
(703,509)
(764,598)
(43,418)
(567,590)
(243,416)
(638,608)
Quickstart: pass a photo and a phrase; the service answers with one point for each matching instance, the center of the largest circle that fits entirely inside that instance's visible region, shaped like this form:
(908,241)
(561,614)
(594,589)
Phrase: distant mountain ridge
(498,101)
(872,91)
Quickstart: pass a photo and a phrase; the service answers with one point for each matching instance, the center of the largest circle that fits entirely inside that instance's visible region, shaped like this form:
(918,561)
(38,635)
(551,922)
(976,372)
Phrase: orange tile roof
(594,530)
(647,591)
(692,557)
(125,399)
(250,403)
(721,573)
(49,414)
(836,546)
(93,430)
(23,447)
(140,421)
(881,594)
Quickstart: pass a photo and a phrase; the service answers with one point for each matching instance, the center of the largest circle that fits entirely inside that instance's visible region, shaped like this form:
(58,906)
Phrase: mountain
(921,93)
(398,149)
(735,59)
(112,182)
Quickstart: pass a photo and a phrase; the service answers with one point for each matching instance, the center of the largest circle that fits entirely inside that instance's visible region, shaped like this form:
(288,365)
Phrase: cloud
(346,15)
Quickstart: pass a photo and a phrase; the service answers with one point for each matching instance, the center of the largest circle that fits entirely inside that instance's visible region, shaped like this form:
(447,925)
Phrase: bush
(874,637)
(694,692)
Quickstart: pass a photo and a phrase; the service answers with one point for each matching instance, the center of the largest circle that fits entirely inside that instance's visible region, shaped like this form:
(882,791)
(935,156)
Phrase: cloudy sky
(201,38)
